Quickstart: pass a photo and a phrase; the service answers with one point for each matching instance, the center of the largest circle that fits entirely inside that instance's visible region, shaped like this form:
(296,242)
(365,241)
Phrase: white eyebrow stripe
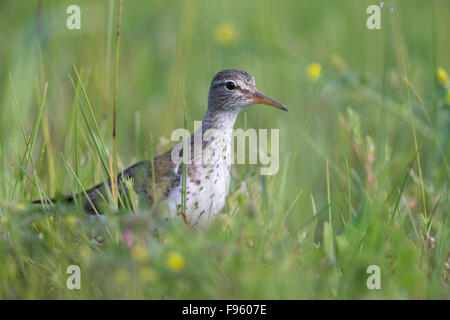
(238,83)
(223,81)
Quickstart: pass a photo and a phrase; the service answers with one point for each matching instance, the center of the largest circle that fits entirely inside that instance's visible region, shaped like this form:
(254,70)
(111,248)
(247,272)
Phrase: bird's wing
(141,174)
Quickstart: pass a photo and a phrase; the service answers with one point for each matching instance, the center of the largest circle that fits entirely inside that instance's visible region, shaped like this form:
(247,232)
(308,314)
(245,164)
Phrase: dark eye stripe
(219,83)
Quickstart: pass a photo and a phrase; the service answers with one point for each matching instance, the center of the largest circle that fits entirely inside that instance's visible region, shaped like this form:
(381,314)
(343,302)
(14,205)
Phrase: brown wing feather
(141,174)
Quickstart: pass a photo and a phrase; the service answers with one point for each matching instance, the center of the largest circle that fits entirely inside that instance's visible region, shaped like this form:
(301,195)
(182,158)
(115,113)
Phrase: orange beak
(258,97)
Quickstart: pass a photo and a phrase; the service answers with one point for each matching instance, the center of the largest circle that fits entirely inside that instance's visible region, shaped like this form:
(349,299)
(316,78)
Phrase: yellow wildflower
(442,76)
(20,206)
(139,253)
(313,71)
(448,95)
(225,33)
(175,261)
(148,275)
(85,253)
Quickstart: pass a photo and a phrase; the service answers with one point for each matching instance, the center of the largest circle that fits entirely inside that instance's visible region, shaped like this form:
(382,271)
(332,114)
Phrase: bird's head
(235,90)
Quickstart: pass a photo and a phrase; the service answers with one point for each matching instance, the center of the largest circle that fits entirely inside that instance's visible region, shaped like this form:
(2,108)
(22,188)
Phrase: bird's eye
(230,85)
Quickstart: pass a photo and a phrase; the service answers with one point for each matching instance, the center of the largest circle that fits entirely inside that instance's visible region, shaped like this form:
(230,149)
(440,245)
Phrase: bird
(207,173)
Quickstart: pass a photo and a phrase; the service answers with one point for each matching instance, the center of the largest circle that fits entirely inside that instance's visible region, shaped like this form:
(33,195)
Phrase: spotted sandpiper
(208,172)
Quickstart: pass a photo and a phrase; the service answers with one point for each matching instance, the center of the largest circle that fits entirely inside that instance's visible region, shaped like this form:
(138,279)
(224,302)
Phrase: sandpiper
(208,171)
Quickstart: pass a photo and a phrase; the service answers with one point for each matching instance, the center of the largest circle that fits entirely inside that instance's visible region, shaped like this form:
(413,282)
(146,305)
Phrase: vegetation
(364,149)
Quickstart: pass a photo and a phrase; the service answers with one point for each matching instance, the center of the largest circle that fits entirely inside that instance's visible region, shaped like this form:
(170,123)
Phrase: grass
(364,150)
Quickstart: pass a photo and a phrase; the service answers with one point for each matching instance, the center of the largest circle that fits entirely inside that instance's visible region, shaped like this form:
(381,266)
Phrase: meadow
(364,149)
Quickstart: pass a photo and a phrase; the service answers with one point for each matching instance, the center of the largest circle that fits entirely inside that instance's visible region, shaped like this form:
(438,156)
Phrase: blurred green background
(368,113)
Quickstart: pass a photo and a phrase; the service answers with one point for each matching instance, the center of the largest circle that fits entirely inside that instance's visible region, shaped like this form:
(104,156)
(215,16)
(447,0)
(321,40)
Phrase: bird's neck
(219,120)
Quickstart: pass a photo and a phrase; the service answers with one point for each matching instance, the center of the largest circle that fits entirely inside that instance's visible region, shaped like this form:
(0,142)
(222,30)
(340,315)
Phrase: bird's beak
(258,97)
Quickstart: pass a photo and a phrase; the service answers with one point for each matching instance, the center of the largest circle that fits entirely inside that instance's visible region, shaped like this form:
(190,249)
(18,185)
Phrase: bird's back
(141,174)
